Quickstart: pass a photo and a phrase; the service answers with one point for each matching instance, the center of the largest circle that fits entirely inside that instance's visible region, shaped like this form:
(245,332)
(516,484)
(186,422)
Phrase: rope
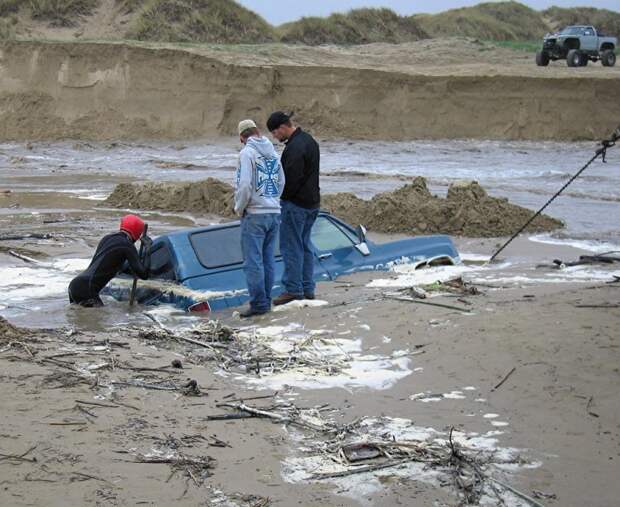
(602,151)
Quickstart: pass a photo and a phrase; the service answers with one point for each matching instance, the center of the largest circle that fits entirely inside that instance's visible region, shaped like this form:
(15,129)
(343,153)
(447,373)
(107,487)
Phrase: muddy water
(57,188)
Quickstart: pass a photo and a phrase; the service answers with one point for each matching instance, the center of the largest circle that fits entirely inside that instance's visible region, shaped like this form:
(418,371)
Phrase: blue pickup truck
(201,269)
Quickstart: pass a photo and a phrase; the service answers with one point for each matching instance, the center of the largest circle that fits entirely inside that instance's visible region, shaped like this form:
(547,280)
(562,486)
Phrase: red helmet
(132,225)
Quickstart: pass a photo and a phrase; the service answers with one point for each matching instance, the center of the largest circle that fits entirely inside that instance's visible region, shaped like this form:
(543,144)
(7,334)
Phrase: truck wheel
(542,58)
(608,58)
(584,60)
(573,58)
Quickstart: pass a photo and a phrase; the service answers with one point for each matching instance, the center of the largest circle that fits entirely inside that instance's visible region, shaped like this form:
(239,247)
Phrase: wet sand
(558,408)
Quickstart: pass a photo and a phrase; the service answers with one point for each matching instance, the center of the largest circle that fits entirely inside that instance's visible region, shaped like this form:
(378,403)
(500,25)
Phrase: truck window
(218,248)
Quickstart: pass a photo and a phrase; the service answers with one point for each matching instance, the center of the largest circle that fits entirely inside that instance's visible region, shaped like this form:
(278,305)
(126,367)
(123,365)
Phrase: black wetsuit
(112,252)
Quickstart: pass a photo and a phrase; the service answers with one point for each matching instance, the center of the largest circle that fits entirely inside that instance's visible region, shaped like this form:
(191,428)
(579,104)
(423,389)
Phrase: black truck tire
(608,58)
(542,58)
(573,58)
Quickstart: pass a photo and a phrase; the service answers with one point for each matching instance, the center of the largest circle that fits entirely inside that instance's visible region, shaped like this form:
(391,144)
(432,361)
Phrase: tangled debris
(196,468)
(246,351)
(335,451)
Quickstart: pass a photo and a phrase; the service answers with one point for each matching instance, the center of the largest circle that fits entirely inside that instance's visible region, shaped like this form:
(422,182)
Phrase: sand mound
(466,211)
(209,196)
(412,209)
(8,332)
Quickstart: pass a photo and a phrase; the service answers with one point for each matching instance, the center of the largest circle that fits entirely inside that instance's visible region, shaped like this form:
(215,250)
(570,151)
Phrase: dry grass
(359,26)
(199,21)
(61,12)
(606,21)
(487,21)
(10,6)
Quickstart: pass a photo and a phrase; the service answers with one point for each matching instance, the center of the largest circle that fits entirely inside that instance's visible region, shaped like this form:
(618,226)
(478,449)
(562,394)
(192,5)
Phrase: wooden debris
(195,468)
(19,457)
(501,382)
(593,414)
(429,303)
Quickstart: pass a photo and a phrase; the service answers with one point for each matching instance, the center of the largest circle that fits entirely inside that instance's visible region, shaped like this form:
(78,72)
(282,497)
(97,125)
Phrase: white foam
(473,257)
(588,245)
(22,283)
(409,276)
(378,374)
(573,274)
(454,395)
(300,303)
(340,362)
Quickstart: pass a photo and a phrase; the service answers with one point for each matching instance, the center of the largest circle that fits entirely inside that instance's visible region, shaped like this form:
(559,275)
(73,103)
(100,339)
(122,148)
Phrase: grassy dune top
(225,21)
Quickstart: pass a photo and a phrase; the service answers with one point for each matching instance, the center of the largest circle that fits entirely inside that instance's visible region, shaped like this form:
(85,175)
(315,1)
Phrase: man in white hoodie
(260,182)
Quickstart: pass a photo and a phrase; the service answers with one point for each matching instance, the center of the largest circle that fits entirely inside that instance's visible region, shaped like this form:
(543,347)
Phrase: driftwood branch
(501,382)
(274,416)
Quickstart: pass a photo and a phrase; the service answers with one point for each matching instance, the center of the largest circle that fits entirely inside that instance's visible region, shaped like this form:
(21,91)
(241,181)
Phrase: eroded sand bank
(107,91)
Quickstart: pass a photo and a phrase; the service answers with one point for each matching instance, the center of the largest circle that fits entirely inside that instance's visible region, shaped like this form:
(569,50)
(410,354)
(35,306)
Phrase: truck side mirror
(362,246)
(361,233)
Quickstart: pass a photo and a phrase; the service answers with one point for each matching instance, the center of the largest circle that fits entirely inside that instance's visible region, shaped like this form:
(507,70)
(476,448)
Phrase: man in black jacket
(300,203)
(113,251)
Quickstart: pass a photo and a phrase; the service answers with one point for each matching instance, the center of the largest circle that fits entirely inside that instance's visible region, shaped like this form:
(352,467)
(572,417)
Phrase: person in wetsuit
(110,257)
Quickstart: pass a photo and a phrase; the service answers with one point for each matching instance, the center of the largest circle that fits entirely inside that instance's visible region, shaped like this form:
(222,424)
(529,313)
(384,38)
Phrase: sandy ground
(554,344)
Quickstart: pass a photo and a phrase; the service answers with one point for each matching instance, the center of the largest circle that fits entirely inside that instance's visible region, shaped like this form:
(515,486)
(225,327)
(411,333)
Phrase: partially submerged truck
(578,45)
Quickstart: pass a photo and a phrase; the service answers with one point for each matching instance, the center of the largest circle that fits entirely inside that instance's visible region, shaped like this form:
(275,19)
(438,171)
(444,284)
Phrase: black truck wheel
(542,58)
(573,58)
(608,58)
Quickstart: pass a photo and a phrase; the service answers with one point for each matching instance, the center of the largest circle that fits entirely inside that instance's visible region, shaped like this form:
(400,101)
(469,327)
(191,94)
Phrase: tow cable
(602,151)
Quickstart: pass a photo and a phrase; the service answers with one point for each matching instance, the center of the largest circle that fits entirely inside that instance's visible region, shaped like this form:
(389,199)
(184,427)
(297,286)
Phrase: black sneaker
(309,295)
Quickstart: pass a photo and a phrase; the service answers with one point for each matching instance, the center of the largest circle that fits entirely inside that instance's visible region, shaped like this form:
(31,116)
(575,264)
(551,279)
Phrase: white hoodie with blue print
(260,178)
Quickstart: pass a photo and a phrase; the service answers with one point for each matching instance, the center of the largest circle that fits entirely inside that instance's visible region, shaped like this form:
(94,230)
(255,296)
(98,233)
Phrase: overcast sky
(281,11)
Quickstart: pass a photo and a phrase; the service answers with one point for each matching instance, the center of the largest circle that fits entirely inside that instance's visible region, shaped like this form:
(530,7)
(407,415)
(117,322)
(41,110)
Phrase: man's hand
(147,242)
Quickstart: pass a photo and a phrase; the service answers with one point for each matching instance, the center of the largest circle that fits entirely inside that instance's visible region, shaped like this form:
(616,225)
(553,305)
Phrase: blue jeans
(258,241)
(296,248)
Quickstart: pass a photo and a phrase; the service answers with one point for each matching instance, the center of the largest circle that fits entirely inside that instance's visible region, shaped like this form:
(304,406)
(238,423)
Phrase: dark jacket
(111,254)
(300,161)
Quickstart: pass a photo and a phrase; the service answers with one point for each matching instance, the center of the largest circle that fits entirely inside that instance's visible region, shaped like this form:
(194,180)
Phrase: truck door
(335,247)
(588,39)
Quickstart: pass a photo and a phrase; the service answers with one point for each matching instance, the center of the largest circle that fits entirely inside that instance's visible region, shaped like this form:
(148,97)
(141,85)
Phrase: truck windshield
(326,235)
(573,30)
